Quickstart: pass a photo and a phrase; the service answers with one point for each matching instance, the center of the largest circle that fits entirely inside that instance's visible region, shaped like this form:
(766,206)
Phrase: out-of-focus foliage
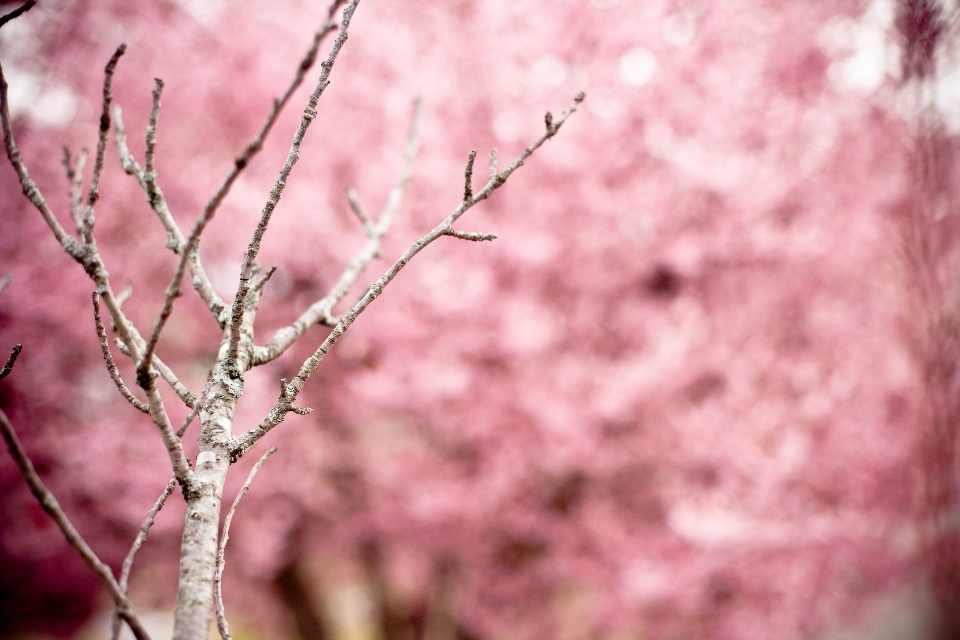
(684,394)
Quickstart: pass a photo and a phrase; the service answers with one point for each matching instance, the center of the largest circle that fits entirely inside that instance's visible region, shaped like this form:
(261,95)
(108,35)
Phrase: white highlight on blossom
(644,581)
(605,104)
(548,72)
(225,276)
(946,94)
(637,67)
(679,29)
(51,106)
(203,11)
(606,4)
(714,168)
(508,126)
(528,328)
(863,54)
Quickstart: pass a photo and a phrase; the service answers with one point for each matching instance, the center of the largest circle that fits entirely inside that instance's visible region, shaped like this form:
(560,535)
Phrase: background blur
(704,385)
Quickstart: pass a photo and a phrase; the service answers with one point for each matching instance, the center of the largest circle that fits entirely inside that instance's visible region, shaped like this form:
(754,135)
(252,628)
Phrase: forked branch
(290,391)
(309,113)
(108,358)
(87,255)
(93,193)
(322,310)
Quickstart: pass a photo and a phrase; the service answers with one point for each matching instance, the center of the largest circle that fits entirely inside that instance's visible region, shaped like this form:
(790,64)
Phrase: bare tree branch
(135,547)
(30,189)
(173,290)
(52,507)
(165,372)
(322,310)
(108,358)
(468,177)
(11,360)
(125,295)
(157,202)
(197,407)
(75,177)
(357,208)
(242,160)
(187,247)
(471,235)
(87,255)
(221,617)
(93,194)
(290,391)
(16,13)
(309,113)
(152,514)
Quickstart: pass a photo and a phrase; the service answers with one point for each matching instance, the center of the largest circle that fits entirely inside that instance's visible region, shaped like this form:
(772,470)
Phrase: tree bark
(201,526)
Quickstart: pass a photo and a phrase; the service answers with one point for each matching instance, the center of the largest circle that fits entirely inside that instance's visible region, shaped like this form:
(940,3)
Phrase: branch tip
(358,209)
(468,177)
(471,235)
(11,360)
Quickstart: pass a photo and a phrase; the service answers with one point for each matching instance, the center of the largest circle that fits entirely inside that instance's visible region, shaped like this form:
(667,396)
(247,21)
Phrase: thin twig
(173,290)
(75,177)
(309,113)
(322,310)
(87,255)
(11,360)
(157,202)
(52,507)
(197,407)
(468,177)
(493,164)
(125,295)
(471,235)
(16,13)
(285,403)
(108,358)
(30,188)
(186,247)
(264,279)
(357,208)
(93,194)
(5,281)
(218,577)
(135,547)
(165,372)
(256,144)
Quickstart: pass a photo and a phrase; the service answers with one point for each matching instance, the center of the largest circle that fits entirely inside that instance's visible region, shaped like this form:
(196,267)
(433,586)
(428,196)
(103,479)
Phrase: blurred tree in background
(704,384)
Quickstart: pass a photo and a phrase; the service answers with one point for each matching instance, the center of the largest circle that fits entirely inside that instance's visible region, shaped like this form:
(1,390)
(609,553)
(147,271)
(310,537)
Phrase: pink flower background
(692,391)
